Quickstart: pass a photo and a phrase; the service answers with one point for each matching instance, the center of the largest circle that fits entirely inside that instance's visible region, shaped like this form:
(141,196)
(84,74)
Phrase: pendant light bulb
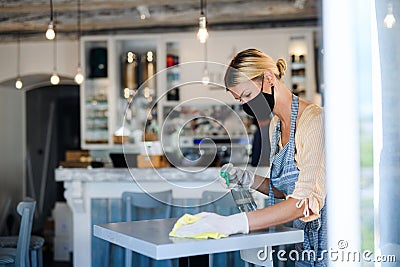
(202,34)
(389,20)
(143,12)
(54,79)
(18,83)
(50,33)
(205,80)
(79,76)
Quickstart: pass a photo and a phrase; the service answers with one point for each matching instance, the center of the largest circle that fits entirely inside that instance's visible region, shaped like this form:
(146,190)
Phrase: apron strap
(293,118)
(276,136)
(277,130)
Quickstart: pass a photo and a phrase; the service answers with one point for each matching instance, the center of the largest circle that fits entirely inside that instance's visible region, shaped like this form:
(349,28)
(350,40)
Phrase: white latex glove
(236,176)
(212,222)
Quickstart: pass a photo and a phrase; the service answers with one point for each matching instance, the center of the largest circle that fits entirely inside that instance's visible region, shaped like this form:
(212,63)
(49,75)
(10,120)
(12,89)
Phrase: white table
(83,185)
(151,239)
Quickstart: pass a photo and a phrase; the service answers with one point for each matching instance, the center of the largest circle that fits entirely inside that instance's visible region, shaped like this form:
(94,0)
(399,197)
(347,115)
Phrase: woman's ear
(269,77)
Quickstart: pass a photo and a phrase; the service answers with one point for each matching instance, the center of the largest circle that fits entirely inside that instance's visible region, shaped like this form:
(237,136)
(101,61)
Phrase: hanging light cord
(201,8)
(18,54)
(55,55)
(79,33)
(51,10)
(205,56)
(54,44)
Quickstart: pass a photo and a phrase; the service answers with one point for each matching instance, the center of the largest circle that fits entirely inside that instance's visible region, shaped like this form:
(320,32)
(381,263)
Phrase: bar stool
(19,256)
(143,206)
(35,247)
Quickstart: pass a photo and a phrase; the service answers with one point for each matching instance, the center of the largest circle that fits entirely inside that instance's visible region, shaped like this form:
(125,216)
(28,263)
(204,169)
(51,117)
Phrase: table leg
(184,262)
(194,261)
(252,256)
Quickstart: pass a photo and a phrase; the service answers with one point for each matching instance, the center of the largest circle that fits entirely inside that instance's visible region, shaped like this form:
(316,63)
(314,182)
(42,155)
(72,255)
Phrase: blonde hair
(250,64)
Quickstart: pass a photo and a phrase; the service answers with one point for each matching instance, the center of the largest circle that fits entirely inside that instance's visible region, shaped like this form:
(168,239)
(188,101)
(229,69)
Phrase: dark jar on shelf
(98,62)
(173,94)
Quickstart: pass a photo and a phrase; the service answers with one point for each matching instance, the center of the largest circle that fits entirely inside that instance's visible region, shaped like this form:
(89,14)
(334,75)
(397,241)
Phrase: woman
(297,172)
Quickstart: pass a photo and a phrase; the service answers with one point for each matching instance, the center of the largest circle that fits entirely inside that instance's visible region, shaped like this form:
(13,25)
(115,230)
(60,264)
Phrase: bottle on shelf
(129,73)
(173,84)
(298,72)
(98,62)
(172,73)
(241,195)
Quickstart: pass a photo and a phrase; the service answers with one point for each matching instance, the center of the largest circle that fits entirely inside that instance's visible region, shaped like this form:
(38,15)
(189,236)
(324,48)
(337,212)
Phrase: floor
(48,261)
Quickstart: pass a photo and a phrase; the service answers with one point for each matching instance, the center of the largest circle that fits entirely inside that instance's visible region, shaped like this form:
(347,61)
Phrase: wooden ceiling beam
(93,5)
(241,11)
(32,16)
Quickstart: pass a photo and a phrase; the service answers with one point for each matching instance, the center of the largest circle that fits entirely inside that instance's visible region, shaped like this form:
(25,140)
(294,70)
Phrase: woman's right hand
(235,176)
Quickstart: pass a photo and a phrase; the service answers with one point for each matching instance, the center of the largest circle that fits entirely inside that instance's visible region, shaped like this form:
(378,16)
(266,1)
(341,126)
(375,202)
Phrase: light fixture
(299,4)
(143,11)
(55,79)
(50,33)
(205,79)
(389,19)
(202,34)
(18,81)
(149,56)
(79,76)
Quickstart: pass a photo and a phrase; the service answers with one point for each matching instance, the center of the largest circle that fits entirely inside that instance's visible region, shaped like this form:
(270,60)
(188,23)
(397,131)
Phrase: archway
(31,146)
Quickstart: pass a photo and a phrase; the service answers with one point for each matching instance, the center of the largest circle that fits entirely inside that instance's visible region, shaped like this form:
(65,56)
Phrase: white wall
(12,150)
(37,57)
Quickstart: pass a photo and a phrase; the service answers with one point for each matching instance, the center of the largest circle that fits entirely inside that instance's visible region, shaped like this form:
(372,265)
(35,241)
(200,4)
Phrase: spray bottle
(241,195)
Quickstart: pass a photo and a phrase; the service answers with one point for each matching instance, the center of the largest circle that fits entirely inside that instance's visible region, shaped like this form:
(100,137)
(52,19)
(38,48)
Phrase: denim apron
(283,176)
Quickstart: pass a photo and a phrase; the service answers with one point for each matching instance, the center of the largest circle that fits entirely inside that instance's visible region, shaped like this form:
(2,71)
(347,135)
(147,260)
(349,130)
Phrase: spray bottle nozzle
(225,175)
(225,172)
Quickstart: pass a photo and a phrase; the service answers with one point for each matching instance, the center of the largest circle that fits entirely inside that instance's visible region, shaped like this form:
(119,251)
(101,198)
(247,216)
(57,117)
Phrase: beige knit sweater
(310,188)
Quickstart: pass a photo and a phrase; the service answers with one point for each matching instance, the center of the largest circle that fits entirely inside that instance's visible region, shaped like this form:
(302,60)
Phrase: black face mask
(256,107)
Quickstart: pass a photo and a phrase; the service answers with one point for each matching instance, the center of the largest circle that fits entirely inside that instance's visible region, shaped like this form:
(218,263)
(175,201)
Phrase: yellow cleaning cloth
(189,219)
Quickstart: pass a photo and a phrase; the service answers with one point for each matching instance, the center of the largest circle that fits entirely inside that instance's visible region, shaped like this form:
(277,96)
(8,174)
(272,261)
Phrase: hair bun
(282,67)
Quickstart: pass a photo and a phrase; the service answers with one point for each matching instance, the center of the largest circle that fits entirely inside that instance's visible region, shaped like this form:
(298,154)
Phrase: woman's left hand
(214,223)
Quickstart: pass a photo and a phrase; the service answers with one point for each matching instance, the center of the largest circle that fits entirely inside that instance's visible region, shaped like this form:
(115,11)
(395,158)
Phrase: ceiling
(29,18)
